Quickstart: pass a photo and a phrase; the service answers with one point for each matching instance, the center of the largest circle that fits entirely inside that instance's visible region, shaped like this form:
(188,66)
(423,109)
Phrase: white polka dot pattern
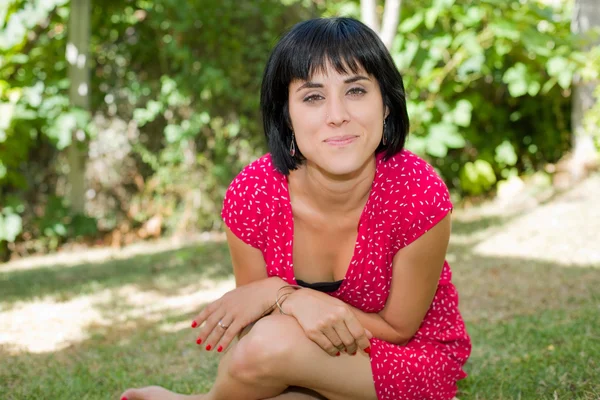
(407,199)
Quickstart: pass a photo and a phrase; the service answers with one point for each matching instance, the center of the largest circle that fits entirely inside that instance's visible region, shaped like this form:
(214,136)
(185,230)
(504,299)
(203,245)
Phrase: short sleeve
(245,207)
(431,206)
(425,201)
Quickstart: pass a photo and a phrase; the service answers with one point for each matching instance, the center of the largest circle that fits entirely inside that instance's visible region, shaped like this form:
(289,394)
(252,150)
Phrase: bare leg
(159,393)
(298,393)
(275,355)
(156,393)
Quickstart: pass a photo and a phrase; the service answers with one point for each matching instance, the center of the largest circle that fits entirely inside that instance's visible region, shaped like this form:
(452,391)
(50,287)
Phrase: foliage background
(174,105)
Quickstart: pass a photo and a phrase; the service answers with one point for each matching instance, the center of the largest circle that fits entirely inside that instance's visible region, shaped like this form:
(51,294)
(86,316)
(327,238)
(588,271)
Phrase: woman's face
(337,119)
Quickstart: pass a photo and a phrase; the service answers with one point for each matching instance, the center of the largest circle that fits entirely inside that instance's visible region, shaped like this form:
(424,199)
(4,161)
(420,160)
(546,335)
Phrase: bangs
(332,42)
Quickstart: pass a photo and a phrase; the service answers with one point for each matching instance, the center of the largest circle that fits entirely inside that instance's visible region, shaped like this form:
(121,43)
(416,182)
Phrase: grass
(534,326)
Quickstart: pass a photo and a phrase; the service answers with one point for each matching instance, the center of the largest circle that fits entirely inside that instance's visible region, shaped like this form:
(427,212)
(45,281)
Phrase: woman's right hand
(223,319)
(327,321)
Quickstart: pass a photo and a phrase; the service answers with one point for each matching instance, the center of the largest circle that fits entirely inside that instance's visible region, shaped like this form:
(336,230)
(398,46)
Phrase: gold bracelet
(278,298)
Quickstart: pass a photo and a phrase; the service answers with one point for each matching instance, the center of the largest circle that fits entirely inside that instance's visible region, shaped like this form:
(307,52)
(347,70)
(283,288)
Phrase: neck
(334,194)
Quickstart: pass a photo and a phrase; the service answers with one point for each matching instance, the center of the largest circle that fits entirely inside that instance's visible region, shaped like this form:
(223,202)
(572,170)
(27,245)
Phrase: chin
(342,167)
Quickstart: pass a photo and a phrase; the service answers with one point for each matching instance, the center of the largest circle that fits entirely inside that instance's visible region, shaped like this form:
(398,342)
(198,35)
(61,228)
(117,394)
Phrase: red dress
(407,199)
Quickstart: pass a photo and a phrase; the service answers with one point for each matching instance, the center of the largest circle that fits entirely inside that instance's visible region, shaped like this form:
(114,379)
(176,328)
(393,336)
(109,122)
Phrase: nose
(336,112)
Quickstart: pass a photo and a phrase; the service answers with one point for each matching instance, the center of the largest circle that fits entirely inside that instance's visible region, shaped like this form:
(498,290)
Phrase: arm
(417,269)
(249,268)
(254,289)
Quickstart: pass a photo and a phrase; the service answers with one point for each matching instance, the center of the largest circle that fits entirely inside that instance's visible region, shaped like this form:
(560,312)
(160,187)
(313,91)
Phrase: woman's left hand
(226,317)
(327,321)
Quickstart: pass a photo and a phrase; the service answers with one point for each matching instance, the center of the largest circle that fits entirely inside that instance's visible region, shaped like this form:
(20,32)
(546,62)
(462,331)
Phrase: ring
(222,326)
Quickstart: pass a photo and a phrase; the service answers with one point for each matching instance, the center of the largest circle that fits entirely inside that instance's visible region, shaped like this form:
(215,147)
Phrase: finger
(205,313)
(228,337)
(217,333)
(358,332)
(348,340)
(209,327)
(323,341)
(334,338)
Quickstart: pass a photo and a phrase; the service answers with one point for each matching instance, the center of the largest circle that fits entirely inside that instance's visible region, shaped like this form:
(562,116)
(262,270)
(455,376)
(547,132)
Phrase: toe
(130,394)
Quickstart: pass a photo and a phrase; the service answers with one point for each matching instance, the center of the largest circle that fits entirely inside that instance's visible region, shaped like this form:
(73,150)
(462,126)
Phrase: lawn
(534,324)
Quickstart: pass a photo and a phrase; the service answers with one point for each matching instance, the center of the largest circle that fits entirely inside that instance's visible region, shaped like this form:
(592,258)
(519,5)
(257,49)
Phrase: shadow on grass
(461,226)
(532,327)
(138,353)
(164,272)
(498,288)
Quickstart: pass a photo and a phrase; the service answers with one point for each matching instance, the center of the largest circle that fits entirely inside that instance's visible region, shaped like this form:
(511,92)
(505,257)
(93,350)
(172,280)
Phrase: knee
(265,350)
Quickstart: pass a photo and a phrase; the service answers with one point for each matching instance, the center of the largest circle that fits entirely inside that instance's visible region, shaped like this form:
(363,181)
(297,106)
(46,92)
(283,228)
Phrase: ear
(387,112)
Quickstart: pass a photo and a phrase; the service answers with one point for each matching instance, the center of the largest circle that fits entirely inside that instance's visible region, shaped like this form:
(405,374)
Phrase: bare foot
(157,393)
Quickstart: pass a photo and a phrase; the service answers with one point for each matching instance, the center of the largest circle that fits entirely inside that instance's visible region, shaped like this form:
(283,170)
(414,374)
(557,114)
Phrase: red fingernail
(338,354)
(354,353)
(199,341)
(208,347)
(220,349)
(194,324)
(123,398)
(368,350)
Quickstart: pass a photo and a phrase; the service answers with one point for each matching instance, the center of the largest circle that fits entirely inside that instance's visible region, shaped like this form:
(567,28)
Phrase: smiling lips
(341,140)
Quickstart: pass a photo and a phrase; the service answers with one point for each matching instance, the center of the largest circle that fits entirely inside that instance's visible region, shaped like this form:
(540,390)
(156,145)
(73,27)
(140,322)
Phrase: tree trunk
(586,16)
(368,11)
(391,18)
(77,55)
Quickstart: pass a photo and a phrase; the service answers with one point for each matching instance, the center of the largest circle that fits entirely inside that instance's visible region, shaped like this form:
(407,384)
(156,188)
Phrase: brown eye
(312,98)
(357,91)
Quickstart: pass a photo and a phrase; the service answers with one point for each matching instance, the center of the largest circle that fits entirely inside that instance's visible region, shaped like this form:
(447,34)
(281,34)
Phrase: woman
(346,229)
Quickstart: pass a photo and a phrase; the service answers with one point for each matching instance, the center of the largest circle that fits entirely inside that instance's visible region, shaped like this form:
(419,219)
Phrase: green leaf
(473,16)
(565,78)
(173,133)
(6,114)
(84,226)
(477,177)
(3,170)
(404,59)
(61,131)
(472,65)
(416,144)
(505,154)
(431,16)
(517,88)
(505,29)
(443,136)
(437,149)
(516,78)
(502,47)
(462,113)
(534,88)
(11,226)
(556,65)
(411,23)
(60,229)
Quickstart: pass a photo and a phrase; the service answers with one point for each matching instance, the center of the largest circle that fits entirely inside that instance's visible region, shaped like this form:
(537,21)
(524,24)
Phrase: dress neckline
(359,229)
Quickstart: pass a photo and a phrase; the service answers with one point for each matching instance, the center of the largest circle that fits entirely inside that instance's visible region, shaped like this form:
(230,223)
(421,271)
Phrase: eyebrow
(313,85)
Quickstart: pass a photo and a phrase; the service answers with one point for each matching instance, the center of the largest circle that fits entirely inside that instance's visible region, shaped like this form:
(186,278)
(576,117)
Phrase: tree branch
(391,18)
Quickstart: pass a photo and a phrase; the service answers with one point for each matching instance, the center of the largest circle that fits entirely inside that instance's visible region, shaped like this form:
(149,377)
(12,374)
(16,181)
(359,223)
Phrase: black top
(321,286)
